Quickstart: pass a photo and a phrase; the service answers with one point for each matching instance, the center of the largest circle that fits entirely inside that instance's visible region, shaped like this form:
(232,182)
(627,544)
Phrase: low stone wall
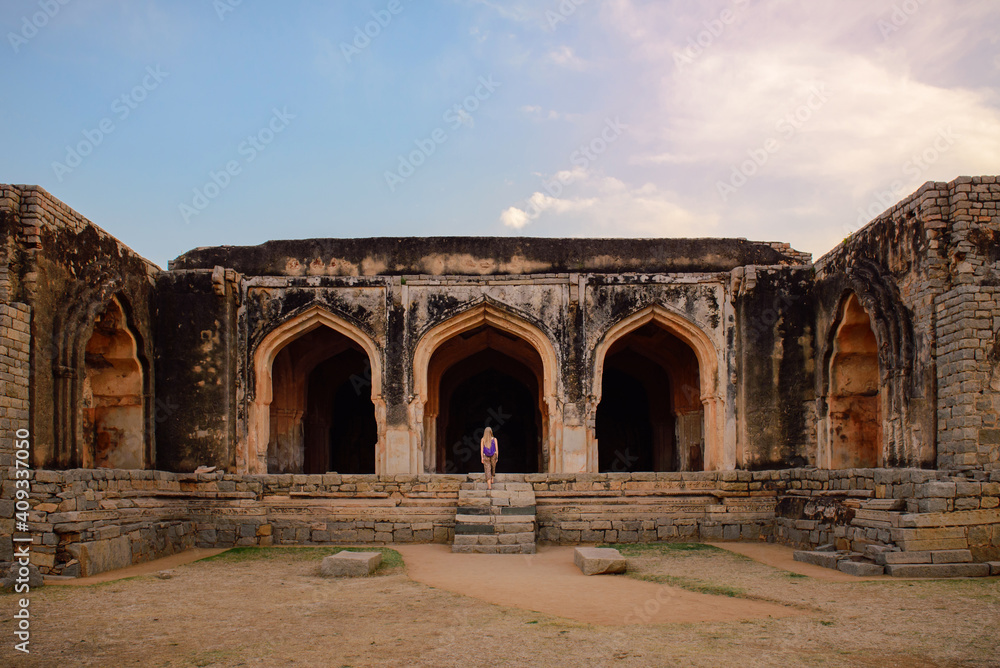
(906,509)
(87,521)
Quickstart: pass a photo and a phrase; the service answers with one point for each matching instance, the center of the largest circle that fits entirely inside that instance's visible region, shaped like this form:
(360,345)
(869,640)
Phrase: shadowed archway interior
(322,417)
(113,414)
(855,415)
(488,378)
(650,416)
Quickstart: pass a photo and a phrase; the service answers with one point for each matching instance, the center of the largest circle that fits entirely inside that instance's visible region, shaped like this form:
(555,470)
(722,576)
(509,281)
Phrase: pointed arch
(253,457)
(505,320)
(711,398)
(851,429)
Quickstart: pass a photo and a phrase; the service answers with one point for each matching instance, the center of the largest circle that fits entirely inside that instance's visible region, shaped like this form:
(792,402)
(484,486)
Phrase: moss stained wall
(775,322)
(196,365)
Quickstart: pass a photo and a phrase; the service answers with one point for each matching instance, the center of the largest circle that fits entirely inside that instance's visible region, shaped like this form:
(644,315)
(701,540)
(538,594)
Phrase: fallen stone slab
(599,560)
(860,568)
(824,559)
(937,570)
(347,564)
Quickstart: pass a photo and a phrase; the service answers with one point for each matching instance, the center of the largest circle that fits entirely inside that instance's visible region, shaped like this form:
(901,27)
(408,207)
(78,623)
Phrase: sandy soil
(278,611)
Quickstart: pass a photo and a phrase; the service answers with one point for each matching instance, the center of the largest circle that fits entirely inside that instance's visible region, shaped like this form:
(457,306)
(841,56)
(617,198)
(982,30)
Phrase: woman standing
(489,452)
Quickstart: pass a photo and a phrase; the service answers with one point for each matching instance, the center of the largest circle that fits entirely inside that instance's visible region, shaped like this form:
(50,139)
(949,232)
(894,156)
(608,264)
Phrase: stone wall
(86,521)
(926,273)
(68,270)
(908,509)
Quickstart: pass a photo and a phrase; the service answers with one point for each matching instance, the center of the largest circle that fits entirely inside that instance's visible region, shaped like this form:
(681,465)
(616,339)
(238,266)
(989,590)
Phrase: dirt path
(549,582)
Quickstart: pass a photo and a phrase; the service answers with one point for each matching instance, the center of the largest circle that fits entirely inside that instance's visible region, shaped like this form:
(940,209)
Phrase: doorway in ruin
(322,417)
(112,395)
(650,416)
(486,377)
(854,419)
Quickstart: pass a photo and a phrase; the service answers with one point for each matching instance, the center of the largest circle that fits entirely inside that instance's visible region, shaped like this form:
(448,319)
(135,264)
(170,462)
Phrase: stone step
(495,521)
(494,549)
(937,570)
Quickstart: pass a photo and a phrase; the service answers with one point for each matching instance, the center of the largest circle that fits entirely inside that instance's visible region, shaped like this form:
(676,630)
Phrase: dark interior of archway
(340,428)
(489,389)
(635,420)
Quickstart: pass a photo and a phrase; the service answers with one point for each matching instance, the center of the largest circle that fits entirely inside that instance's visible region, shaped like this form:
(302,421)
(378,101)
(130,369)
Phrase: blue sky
(194,123)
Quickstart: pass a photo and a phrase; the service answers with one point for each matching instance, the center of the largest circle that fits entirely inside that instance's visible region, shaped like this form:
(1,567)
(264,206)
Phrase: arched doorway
(489,389)
(322,415)
(650,417)
(486,378)
(666,412)
(854,436)
(486,367)
(112,395)
(317,393)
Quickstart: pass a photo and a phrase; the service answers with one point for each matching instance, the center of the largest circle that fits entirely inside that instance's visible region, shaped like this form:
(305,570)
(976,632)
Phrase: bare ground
(277,610)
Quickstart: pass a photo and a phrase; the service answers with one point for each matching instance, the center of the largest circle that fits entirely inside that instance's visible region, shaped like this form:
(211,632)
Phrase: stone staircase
(497,521)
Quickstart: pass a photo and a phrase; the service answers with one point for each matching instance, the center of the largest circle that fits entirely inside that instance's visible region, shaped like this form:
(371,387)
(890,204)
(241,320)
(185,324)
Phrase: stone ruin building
(641,389)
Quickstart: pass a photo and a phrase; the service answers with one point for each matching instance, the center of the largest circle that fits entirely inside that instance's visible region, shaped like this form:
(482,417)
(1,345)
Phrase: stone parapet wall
(87,521)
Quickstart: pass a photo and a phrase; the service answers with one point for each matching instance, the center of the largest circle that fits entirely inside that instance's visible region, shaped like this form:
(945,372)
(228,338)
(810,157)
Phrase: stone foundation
(86,521)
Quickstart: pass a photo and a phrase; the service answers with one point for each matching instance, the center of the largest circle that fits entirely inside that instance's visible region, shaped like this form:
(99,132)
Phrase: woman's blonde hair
(487,436)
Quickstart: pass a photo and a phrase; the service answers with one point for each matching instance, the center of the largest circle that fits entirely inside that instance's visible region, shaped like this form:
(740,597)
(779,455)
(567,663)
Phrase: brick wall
(968,324)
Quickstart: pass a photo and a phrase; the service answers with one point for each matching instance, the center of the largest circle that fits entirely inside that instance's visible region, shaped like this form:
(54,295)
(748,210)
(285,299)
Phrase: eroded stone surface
(350,564)
(599,560)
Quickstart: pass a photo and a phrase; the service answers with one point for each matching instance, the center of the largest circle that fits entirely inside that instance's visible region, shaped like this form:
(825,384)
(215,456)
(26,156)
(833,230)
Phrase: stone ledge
(937,570)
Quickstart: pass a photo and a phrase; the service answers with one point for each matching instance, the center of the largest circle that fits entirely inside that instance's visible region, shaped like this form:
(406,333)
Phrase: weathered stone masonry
(645,389)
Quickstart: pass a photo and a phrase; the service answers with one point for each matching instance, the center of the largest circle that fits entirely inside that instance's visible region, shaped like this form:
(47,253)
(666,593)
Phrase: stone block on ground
(100,556)
(994,567)
(350,564)
(599,560)
(937,570)
(860,568)
(824,559)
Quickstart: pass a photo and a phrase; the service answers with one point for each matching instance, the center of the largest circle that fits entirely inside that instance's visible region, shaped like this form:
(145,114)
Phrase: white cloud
(607,206)
(564,56)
